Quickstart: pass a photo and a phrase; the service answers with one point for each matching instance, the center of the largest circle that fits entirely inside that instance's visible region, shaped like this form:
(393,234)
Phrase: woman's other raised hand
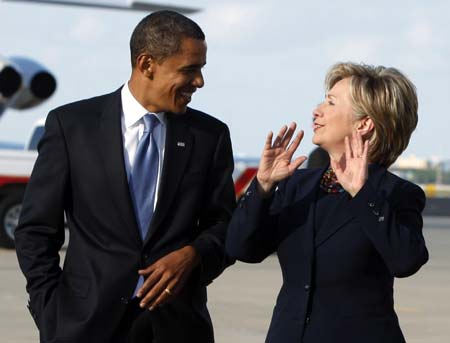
(352,169)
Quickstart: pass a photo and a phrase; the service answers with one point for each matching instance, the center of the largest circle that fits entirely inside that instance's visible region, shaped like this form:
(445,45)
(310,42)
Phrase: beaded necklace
(329,182)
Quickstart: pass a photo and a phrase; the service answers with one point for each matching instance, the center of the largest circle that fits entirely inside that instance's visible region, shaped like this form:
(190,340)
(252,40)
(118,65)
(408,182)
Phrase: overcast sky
(266,59)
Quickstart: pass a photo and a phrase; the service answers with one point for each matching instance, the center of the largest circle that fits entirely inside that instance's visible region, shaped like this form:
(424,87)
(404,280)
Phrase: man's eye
(330,103)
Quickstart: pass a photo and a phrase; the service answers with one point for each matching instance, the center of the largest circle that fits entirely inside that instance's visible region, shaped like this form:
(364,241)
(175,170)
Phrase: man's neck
(140,92)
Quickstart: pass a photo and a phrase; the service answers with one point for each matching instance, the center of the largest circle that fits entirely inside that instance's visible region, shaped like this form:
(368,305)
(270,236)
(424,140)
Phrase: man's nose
(198,81)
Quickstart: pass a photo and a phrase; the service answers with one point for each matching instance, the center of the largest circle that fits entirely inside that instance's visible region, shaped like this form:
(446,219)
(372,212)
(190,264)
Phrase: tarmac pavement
(242,299)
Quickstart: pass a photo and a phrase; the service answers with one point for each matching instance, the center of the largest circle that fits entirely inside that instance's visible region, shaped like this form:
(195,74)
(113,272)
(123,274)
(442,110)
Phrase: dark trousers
(132,328)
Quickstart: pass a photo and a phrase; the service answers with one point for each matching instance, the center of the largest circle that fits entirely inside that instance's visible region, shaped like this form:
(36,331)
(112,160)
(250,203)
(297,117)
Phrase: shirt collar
(133,111)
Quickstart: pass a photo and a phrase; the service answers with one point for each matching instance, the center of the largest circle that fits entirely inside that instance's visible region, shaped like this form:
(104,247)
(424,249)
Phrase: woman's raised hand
(352,169)
(275,164)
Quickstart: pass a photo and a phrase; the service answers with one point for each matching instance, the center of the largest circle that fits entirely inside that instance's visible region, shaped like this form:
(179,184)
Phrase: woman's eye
(330,102)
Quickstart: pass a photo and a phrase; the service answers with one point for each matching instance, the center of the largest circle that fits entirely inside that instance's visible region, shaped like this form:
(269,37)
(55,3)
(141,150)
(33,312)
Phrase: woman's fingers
(279,137)
(284,136)
(297,163)
(365,153)
(289,133)
(268,143)
(359,144)
(295,143)
(348,149)
(354,145)
(282,147)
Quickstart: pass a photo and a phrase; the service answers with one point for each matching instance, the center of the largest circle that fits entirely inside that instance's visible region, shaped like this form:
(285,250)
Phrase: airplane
(132,5)
(25,83)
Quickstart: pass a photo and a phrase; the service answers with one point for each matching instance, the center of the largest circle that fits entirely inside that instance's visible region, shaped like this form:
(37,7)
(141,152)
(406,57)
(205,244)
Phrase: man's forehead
(194,52)
(191,45)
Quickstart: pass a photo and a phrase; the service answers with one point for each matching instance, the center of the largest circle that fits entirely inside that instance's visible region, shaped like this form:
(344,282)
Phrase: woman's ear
(365,126)
(145,64)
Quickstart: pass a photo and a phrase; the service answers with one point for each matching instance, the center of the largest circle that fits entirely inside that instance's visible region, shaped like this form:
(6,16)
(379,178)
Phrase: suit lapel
(111,145)
(333,222)
(306,196)
(310,190)
(178,147)
(341,214)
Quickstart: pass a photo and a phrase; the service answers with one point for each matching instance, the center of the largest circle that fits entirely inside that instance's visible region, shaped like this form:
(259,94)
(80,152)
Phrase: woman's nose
(317,111)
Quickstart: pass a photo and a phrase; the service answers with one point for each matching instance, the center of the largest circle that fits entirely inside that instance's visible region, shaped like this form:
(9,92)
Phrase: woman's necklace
(329,182)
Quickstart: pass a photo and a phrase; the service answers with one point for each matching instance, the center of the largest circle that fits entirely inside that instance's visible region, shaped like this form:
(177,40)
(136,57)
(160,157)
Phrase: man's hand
(166,277)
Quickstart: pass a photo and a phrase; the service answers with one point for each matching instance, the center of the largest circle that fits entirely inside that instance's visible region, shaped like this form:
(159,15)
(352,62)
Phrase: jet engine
(10,80)
(24,83)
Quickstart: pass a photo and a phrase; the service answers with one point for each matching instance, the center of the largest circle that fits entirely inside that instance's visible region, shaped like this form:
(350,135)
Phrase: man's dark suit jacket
(80,171)
(338,283)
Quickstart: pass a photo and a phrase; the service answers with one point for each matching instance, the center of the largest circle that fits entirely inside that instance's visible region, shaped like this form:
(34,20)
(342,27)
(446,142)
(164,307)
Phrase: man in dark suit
(145,183)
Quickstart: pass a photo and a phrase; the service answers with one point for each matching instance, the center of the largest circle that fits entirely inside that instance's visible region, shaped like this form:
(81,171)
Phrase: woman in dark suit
(342,233)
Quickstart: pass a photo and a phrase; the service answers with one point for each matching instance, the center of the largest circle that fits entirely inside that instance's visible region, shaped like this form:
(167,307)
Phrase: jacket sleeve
(252,234)
(219,203)
(40,233)
(394,225)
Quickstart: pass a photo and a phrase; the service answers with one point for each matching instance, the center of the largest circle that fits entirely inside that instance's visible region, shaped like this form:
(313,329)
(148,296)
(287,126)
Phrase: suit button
(124,300)
(307,320)
(307,288)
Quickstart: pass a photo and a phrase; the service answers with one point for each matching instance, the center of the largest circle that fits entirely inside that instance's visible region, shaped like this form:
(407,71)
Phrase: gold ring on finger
(168,291)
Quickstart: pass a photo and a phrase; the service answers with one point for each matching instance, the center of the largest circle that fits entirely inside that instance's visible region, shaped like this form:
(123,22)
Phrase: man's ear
(145,64)
(365,126)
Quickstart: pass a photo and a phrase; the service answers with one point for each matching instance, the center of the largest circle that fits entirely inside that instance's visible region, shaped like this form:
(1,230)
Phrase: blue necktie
(144,175)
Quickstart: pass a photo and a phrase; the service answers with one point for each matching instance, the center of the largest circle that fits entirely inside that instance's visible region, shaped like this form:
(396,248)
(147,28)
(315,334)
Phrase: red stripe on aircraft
(7,180)
(243,181)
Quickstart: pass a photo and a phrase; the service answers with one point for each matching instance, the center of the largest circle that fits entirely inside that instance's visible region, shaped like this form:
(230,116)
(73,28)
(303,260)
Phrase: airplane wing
(133,5)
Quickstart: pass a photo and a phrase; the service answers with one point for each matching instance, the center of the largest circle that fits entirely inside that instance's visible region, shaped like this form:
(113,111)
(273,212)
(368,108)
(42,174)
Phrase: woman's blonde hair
(386,96)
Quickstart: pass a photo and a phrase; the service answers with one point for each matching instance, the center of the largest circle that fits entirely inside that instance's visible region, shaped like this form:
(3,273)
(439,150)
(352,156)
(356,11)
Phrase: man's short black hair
(160,34)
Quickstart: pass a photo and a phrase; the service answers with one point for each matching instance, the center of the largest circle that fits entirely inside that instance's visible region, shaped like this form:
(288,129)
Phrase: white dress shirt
(133,129)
